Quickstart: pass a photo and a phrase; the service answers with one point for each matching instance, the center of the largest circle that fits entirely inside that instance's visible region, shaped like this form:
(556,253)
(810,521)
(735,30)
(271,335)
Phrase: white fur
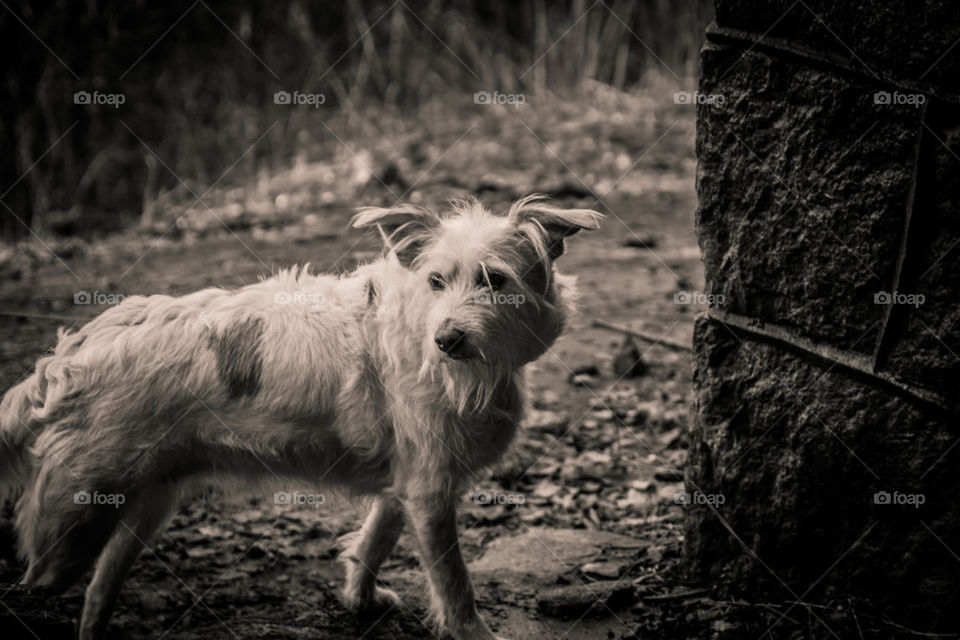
(318,377)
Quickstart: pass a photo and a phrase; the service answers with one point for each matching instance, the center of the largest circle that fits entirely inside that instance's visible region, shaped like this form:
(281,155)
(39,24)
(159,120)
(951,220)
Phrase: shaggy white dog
(399,380)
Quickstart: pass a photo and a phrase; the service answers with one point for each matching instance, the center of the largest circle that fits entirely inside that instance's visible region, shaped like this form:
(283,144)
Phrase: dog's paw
(377,603)
(383,599)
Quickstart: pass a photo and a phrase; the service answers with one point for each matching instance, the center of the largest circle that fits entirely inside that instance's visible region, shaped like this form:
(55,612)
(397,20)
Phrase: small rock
(520,557)
(669,475)
(582,381)
(545,490)
(655,554)
(603,414)
(547,397)
(578,600)
(201,552)
(641,242)
(591,486)
(628,361)
(532,517)
(214,532)
(674,419)
(606,570)
(248,515)
(649,412)
(594,458)
(585,376)
(547,421)
(634,500)
(675,439)
(318,548)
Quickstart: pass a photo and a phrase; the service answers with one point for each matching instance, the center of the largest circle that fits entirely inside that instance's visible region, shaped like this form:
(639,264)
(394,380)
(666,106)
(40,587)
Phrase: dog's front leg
(364,552)
(434,520)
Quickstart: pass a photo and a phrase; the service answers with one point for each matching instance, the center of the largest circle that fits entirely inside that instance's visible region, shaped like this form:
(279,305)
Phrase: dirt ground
(588,543)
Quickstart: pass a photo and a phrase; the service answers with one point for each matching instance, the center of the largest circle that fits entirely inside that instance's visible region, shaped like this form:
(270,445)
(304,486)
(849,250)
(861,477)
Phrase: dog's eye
(436,282)
(497,279)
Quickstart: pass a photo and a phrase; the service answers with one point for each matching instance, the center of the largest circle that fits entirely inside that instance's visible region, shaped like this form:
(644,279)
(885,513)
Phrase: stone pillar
(827,382)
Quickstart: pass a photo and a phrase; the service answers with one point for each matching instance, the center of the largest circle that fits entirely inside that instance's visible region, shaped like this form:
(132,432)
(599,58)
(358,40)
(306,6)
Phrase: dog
(399,381)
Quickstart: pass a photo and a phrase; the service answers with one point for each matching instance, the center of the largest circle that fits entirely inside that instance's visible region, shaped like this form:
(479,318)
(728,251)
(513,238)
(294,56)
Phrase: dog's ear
(405,228)
(556,223)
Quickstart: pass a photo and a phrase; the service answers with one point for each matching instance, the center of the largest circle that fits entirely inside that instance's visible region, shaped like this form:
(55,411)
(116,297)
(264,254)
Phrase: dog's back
(169,387)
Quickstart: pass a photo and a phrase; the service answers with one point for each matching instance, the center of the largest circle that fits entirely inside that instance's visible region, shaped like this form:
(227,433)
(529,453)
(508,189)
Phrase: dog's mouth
(457,351)
(460,354)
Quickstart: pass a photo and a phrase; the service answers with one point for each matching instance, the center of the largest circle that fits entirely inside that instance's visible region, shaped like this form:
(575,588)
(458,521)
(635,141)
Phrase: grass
(199,82)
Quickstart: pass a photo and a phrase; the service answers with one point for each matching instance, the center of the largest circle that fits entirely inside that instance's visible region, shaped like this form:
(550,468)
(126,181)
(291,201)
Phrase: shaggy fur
(396,381)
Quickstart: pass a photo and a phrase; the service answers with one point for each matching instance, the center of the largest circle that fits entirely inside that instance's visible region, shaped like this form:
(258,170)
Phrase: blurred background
(187,91)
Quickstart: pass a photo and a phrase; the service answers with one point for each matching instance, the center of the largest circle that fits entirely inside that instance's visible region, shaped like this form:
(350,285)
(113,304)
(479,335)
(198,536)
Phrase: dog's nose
(449,340)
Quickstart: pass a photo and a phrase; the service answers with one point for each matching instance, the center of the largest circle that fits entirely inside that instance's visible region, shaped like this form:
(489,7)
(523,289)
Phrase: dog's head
(484,284)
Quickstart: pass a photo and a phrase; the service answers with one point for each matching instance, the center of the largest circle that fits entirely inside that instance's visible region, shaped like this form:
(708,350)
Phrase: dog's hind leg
(365,550)
(142,520)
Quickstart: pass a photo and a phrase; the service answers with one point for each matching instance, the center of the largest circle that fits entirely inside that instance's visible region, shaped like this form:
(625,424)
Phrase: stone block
(804,183)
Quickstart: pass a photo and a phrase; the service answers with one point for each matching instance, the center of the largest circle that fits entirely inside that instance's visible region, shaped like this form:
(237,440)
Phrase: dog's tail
(18,431)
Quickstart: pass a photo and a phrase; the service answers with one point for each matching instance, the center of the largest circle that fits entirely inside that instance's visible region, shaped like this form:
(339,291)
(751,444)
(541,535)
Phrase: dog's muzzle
(452,342)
